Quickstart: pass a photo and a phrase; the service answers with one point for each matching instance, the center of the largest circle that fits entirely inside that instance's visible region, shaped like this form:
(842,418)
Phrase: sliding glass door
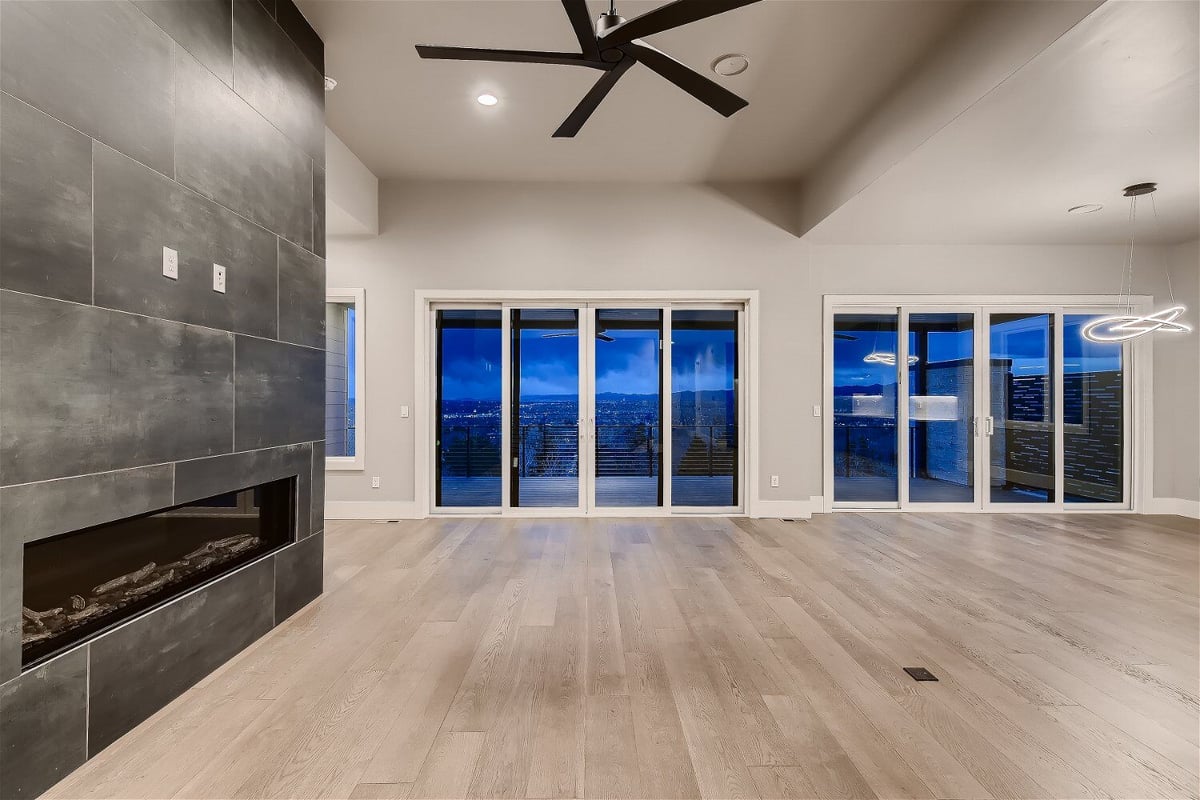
(975,407)
(546,415)
(616,409)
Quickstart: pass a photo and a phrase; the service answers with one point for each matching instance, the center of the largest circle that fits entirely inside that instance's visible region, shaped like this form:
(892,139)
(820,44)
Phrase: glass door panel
(628,407)
(468,412)
(941,408)
(865,389)
(544,436)
(704,408)
(1021,415)
(1093,416)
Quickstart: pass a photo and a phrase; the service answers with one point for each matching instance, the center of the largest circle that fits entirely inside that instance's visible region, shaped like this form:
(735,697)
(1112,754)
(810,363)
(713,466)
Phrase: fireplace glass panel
(84,582)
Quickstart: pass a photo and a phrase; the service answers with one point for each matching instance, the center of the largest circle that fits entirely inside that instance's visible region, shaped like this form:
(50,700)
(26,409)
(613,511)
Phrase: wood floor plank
(706,657)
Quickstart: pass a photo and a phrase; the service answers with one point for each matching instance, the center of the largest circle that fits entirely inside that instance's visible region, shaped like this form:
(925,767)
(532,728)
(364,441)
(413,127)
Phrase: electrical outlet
(774,481)
(375,482)
(170,264)
(816,411)
(404,412)
(218,278)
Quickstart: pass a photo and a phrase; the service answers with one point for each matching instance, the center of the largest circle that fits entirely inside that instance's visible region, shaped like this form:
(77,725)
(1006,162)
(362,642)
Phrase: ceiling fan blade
(708,92)
(672,15)
(559,335)
(591,100)
(518,56)
(604,337)
(581,21)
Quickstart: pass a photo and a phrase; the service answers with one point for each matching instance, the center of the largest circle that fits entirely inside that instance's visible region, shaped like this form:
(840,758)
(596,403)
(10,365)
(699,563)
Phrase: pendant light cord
(1127,274)
(1158,230)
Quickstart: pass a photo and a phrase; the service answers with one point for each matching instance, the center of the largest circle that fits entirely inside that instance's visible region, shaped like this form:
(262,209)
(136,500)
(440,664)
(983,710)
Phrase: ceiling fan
(614,46)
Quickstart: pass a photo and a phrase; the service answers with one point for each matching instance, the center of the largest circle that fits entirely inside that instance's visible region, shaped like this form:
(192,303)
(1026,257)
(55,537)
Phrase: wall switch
(218,278)
(774,481)
(375,482)
(403,412)
(816,411)
(170,264)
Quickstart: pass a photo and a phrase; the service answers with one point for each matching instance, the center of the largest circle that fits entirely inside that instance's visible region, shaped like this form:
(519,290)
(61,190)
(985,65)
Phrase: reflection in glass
(1093,416)
(941,386)
(545,392)
(469,383)
(864,408)
(628,407)
(1022,408)
(704,437)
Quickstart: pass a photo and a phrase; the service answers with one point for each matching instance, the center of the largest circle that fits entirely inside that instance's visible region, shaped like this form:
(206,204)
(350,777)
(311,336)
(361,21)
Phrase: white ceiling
(817,67)
(1114,101)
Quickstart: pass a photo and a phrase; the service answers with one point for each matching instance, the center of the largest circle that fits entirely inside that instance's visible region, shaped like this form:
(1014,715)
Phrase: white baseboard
(1174,505)
(371,509)
(786,509)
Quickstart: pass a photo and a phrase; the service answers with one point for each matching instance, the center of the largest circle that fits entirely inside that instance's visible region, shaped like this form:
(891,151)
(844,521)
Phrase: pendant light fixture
(1123,327)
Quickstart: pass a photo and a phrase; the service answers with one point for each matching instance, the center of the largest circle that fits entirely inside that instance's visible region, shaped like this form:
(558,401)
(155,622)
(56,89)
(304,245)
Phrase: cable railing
(622,450)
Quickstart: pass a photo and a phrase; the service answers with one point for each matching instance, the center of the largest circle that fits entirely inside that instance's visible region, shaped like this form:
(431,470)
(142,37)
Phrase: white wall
(624,237)
(1177,376)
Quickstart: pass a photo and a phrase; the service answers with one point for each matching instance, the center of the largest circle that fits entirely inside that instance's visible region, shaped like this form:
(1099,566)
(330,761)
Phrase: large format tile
(202,27)
(43,733)
(219,136)
(138,212)
(32,511)
(297,28)
(208,477)
(273,75)
(45,204)
(317,521)
(140,667)
(12,571)
(298,575)
(87,390)
(301,296)
(319,211)
(280,394)
(101,67)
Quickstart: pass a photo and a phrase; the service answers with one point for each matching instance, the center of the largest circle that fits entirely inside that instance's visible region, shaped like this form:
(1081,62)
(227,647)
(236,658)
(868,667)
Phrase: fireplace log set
(112,595)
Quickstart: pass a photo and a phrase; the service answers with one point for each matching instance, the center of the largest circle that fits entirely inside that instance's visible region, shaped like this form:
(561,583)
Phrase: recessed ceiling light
(330,84)
(1086,208)
(487,99)
(730,64)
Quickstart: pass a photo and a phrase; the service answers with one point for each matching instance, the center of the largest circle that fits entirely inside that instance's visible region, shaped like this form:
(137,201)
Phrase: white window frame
(357,299)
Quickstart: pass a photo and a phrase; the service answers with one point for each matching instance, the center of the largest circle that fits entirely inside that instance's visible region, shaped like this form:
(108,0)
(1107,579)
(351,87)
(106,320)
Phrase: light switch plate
(403,412)
(218,278)
(816,411)
(774,481)
(170,264)
(375,482)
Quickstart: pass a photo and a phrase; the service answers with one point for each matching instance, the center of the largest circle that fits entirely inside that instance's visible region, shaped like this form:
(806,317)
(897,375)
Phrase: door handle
(974,426)
(989,426)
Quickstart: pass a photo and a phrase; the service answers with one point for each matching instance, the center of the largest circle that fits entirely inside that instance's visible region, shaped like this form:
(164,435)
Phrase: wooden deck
(700,657)
(611,492)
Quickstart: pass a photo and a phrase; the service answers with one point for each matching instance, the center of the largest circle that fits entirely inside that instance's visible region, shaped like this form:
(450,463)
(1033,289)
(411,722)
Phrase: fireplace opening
(81,583)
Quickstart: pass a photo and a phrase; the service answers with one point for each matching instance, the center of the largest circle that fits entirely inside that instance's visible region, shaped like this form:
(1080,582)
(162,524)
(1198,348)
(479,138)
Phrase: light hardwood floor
(709,658)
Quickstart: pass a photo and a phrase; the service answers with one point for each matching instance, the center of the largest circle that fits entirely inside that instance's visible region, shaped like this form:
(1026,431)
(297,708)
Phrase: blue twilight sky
(550,366)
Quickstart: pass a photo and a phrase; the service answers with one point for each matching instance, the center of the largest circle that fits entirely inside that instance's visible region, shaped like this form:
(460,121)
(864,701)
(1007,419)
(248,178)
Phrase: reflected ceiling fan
(601,334)
(614,46)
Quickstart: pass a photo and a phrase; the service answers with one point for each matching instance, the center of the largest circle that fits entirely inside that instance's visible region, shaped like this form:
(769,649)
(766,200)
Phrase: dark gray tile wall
(140,667)
(44,732)
(138,212)
(298,572)
(101,67)
(45,204)
(280,394)
(86,390)
(301,296)
(120,133)
(217,134)
(199,26)
(273,76)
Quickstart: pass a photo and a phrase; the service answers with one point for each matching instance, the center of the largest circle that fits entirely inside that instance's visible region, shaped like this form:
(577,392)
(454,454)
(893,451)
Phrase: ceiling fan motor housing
(606,22)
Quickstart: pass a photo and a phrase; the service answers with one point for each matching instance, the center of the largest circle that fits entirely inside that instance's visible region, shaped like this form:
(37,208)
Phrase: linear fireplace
(84,582)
